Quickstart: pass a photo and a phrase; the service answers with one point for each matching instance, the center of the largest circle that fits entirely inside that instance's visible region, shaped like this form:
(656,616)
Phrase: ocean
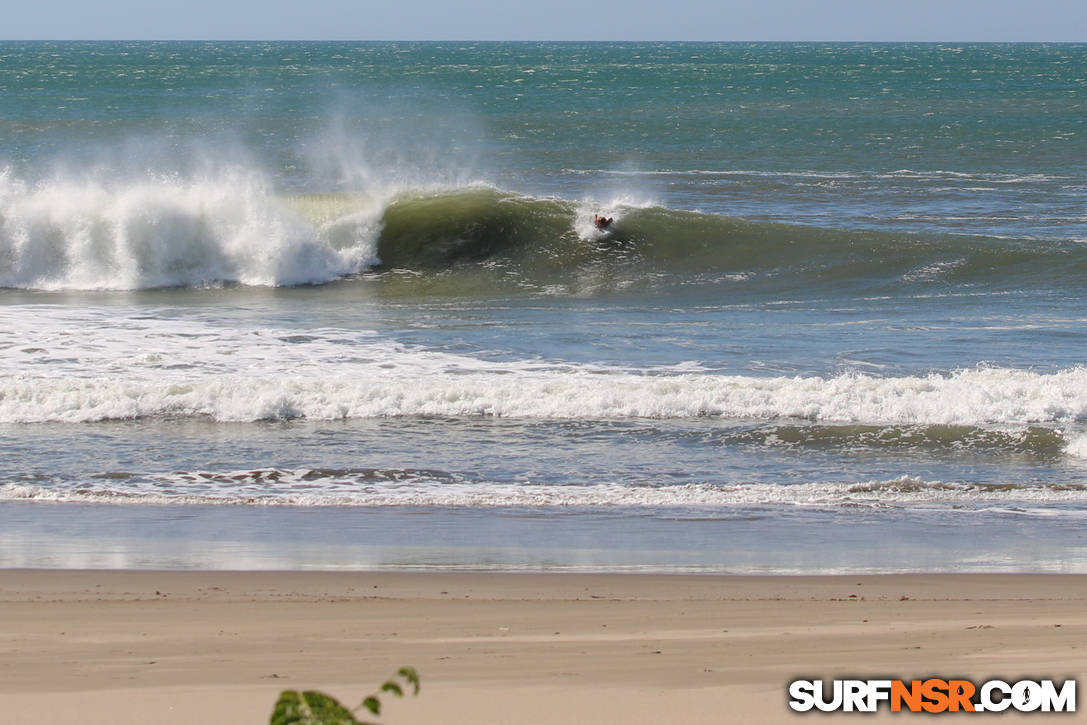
(317,305)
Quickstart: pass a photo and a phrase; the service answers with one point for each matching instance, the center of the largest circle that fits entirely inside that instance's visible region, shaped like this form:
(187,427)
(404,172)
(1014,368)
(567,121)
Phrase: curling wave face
(547,243)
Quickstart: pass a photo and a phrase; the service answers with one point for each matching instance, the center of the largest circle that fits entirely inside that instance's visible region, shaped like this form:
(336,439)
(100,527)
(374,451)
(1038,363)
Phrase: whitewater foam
(95,364)
(305,487)
(1077,446)
(968,397)
(390,386)
(163,231)
(615,208)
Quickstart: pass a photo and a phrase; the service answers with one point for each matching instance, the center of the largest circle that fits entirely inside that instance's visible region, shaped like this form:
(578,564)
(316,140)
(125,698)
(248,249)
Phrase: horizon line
(528,40)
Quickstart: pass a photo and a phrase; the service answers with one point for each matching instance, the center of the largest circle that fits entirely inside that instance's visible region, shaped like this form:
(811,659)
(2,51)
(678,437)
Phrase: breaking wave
(233,228)
(977,397)
(168,232)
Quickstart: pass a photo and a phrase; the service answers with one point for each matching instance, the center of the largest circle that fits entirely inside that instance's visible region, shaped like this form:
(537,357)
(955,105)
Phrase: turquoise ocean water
(342,305)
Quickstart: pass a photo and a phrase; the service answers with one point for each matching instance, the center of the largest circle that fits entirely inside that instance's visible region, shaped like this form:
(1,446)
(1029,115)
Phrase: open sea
(343,305)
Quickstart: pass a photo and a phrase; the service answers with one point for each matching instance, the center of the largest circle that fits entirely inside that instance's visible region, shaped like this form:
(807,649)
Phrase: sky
(842,20)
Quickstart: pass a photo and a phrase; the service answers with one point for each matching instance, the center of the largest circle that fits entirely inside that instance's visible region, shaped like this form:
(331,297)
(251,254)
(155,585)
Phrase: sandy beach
(217,647)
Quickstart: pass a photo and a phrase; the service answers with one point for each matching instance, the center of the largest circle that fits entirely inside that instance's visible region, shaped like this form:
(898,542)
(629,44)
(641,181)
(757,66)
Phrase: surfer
(602,222)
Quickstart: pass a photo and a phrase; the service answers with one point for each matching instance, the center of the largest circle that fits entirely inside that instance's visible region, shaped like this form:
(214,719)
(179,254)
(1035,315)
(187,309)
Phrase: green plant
(316,708)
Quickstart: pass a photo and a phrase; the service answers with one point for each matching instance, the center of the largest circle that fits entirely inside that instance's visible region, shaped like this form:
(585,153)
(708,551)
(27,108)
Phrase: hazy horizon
(831,41)
(959,21)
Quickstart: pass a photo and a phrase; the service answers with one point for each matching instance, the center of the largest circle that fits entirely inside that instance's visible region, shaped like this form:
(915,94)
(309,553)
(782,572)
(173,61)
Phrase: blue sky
(890,20)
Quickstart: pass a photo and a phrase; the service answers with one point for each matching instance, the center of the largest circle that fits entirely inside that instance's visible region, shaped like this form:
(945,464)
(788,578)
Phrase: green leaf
(409,674)
(327,710)
(372,704)
(310,708)
(288,709)
(316,708)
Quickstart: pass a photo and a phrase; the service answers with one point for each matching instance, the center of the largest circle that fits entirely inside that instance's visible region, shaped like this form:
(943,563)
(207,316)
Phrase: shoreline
(735,541)
(218,646)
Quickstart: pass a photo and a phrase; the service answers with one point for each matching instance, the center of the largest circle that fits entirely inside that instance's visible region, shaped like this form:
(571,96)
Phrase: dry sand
(217,647)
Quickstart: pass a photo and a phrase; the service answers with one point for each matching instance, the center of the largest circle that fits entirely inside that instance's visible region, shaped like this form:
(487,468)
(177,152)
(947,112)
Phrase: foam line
(279,488)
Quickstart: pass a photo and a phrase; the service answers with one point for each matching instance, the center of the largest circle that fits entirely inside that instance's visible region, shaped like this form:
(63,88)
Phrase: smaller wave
(1031,440)
(377,488)
(990,177)
(983,397)
(906,174)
